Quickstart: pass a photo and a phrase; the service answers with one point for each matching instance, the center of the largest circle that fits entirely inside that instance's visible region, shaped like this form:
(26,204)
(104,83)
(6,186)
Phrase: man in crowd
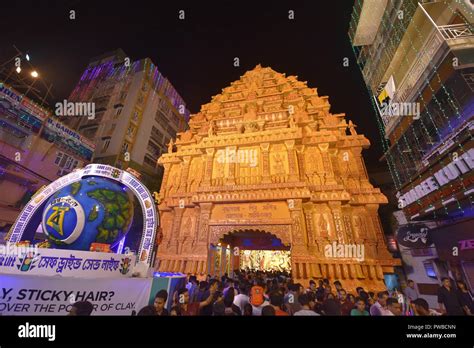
(81,308)
(410,291)
(379,308)
(420,307)
(160,302)
(394,307)
(193,309)
(213,284)
(192,288)
(346,304)
(448,300)
(242,298)
(312,287)
(276,301)
(292,304)
(359,310)
(305,306)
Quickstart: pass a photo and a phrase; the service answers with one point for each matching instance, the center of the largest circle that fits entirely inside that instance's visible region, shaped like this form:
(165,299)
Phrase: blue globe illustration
(94,209)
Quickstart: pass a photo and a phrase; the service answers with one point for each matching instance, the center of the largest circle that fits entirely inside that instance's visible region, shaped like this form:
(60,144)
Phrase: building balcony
(435,42)
(457,31)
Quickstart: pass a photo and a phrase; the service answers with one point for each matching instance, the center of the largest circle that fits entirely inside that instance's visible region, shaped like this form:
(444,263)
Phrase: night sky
(197,54)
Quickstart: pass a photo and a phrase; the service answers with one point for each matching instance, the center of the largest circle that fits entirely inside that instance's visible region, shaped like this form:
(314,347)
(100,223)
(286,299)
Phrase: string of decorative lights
(451,101)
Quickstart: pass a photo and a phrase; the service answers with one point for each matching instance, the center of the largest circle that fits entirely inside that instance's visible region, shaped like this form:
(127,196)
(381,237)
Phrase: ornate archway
(245,247)
(282,232)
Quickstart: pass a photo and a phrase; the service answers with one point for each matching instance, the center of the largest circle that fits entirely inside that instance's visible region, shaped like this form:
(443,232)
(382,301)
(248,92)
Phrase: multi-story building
(417,59)
(137,113)
(35,149)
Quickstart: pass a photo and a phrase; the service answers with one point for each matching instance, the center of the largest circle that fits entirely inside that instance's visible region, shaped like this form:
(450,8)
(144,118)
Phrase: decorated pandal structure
(267,156)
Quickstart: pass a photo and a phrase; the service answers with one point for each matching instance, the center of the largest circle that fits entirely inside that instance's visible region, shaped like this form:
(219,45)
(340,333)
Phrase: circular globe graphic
(92,210)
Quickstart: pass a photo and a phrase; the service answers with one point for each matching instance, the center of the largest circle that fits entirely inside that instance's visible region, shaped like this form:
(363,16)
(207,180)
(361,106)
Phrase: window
(68,163)
(106,145)
(118,112)
(430,269)
(58,158)
(125,147)
(65,162)
(161,119)
(149,161)
(154,149)
(135,116)
(130,131)
(155,134)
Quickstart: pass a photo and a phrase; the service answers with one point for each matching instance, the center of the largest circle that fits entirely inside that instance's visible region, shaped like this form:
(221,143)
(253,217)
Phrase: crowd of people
(256,293)
(251,293)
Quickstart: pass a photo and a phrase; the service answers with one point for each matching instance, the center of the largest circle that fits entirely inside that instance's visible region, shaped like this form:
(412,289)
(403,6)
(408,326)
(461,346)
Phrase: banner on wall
(414,236)
(57,132)
(67,263)
(36,295)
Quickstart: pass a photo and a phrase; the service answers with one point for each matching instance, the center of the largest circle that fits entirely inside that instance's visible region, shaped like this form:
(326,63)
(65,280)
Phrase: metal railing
(455,31)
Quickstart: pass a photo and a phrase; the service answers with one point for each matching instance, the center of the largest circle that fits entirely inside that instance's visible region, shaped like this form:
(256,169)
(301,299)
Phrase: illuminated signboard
(24,103)
(458,167)
(55,131)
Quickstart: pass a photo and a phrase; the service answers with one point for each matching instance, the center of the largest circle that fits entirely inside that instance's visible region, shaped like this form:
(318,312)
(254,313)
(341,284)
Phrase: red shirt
(192,310)
(280,313)
(347,307)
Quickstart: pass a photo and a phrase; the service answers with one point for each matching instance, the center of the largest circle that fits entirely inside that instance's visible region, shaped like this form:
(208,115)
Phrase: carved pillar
(360,165)
(334,165)
(184,173)
(308,214)
(381,248)
(175,237)
(338,223)
(164,181)
(208,167)
(266,163)
(348,228)
(230,179)
(203,231)
(327,165)
(292,164)
(300,156)
(323,227)
(298,232)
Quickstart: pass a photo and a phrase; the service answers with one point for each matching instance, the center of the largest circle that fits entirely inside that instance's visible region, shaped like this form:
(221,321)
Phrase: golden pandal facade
(308,185)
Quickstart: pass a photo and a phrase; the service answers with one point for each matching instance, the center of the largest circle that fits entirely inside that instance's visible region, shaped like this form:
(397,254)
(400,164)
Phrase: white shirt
(240,301)
(306,312)
(257,311)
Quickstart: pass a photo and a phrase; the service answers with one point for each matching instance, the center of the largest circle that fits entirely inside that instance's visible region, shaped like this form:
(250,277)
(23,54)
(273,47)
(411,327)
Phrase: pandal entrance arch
(247,243)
